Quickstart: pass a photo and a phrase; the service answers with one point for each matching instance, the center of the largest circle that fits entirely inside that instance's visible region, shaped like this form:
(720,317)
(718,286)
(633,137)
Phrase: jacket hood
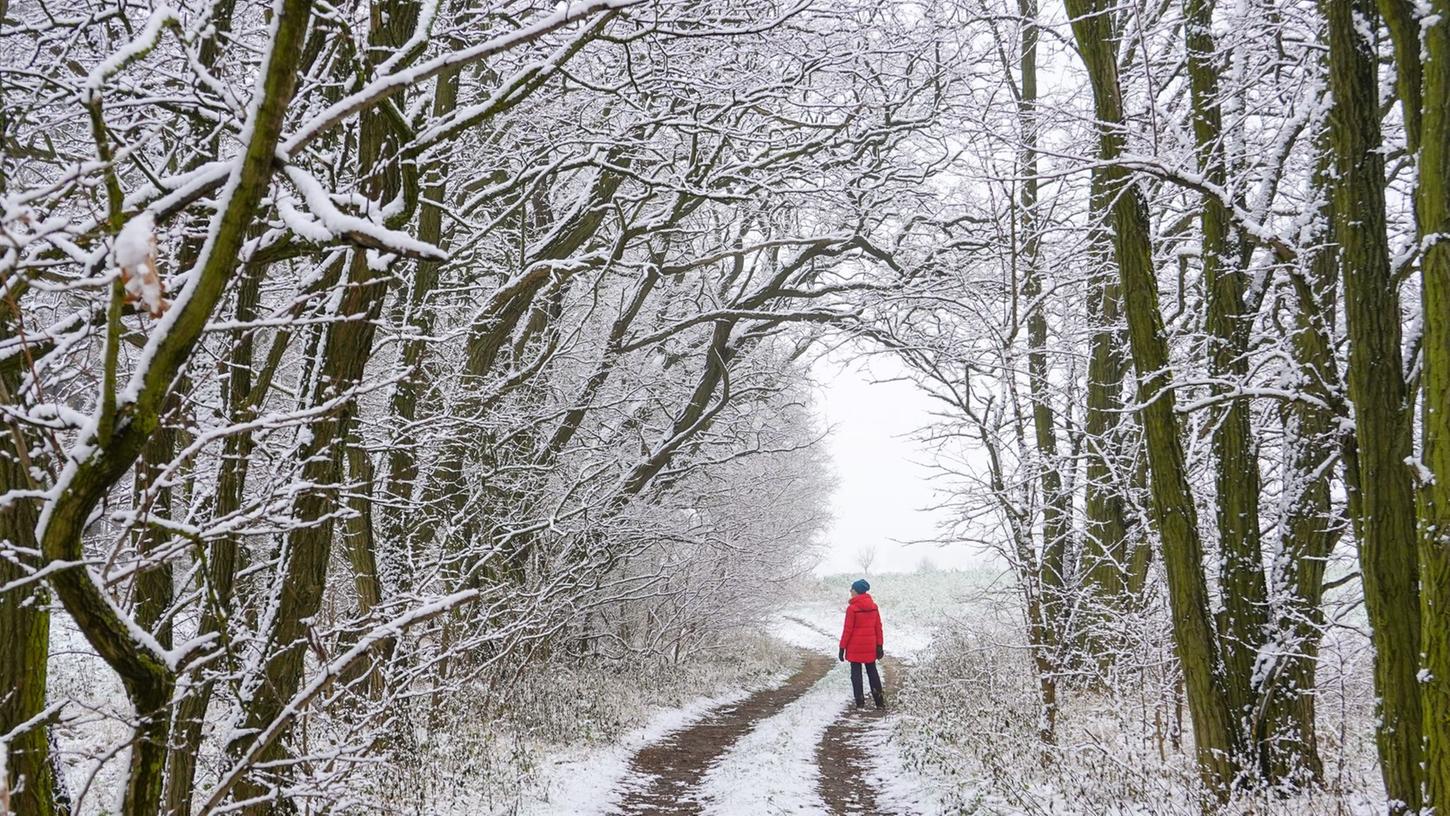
(864,602)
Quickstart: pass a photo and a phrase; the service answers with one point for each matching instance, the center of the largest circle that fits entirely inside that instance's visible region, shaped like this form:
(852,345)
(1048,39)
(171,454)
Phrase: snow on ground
(772,770)
(589,780)
(898,789)
(803,626)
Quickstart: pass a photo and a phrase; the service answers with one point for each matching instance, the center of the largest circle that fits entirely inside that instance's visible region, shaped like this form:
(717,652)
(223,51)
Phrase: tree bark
(1377,388)
(1285,720)
(1236,478)
(402,477)
(1105,557)
(147,678)
(1174,512)
(1433,216)
(1056,510)
(24,619)
(343,358)
(222,560)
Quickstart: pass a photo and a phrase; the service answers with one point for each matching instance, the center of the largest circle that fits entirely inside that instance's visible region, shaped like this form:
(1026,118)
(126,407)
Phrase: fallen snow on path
(899,790)
(586,781)
(772,770)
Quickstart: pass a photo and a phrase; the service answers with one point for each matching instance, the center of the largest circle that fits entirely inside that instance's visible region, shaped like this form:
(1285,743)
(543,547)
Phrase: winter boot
(880,698)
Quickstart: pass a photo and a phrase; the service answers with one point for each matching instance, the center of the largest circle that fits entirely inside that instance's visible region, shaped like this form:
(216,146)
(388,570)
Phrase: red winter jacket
(862,633)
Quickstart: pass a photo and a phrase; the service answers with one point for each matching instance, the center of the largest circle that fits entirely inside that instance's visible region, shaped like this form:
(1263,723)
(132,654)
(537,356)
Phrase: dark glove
(841,656)
(880,652)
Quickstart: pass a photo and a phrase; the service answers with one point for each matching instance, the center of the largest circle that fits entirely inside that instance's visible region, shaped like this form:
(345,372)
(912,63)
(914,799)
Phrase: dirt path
(842,758)
(667,773)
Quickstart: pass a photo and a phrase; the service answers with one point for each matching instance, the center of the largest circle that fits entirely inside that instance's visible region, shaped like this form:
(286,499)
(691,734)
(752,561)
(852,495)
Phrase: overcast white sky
(884,492)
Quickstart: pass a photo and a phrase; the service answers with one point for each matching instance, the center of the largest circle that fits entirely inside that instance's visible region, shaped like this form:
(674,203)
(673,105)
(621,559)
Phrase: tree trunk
(24,619)
(1056,512)
(147,678)
(1236,479)
(400,486)
(1173,509)
(1378,390)
(343,358)
(1285,718)
(1105,556)
(153,582)
(1433,214)
(223,556)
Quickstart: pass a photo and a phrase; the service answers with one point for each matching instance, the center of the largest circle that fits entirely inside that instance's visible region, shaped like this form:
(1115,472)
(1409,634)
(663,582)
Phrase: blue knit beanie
(860,585)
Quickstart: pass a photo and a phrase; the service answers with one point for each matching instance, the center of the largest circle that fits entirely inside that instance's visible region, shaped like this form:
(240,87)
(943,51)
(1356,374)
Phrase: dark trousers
(871,675)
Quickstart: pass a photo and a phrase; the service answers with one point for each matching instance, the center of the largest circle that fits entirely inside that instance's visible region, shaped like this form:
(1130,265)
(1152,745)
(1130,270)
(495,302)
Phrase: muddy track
(841,754)
(666,775)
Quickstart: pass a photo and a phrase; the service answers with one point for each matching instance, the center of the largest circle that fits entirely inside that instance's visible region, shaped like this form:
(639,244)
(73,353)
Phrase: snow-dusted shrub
(971,716)
(489,746)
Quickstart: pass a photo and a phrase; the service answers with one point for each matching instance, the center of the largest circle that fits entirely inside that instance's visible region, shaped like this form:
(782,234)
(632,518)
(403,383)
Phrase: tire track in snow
(665,778)
(772,770)
(844,759)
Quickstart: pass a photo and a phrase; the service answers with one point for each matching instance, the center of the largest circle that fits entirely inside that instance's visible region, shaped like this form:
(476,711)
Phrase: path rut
(841,755)
(667,774)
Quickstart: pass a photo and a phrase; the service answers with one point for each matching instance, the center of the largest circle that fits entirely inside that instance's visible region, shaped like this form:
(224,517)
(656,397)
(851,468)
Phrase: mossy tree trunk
(1433,214)
(153,583)
(1105,560)
(400,484)
(1284,717)
(1243,591)
(222,557)
(146,676)
(1174,513)
(1387,540)
(24,617)
(1049,633)
(1056,509)
(342,358)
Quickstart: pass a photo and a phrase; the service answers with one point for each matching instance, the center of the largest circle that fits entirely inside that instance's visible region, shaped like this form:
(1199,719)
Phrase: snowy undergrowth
(565,738)
(969,715)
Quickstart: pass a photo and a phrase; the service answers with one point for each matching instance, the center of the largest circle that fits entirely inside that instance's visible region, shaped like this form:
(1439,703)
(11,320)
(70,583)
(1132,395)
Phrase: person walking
(862,643)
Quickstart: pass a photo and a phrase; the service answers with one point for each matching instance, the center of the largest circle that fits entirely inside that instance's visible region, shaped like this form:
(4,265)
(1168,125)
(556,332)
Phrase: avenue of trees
(354,354)
(351,354)
(1191,345)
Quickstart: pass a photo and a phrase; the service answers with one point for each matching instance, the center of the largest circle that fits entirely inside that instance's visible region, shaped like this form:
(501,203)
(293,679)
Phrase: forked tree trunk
(1174,512)
(1236,478)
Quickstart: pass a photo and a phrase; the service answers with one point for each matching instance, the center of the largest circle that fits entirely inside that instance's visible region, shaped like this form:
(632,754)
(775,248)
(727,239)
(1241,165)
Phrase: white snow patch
(584,781)
(137,240)
(772,770)
(898,789)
